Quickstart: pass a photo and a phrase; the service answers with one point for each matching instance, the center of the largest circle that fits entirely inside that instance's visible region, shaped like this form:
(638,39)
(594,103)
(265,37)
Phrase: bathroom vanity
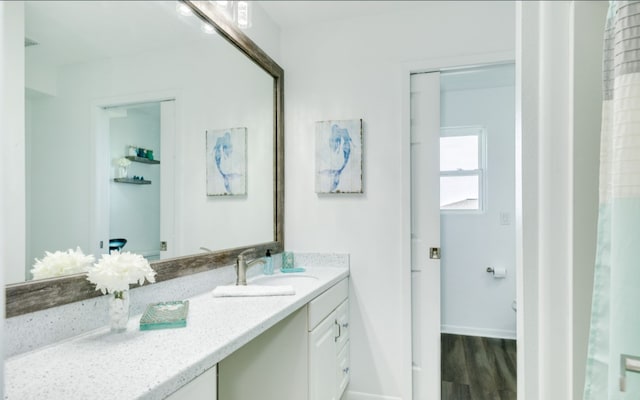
(304,356)
(281,346)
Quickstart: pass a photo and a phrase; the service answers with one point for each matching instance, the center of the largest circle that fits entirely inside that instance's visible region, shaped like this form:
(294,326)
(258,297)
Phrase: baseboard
(350,395)
(470,331)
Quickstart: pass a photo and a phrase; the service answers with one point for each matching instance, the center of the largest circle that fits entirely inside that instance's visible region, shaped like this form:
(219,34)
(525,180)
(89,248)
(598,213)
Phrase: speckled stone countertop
(153,364)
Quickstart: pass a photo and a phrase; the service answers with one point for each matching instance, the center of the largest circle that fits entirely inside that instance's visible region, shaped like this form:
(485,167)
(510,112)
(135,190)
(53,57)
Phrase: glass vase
(119,311)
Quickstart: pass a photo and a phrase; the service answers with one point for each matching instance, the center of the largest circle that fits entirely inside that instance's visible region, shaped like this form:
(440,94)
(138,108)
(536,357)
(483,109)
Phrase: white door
(425,234)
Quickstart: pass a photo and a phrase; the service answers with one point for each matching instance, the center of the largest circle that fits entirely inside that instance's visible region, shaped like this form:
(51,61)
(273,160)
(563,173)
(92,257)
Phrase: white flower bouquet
(123,162)
(116,271)
(62,263)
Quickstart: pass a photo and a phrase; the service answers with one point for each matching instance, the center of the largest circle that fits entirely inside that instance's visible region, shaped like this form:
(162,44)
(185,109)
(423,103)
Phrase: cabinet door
(204,387)
(342,318)
(344,370)
(322,360)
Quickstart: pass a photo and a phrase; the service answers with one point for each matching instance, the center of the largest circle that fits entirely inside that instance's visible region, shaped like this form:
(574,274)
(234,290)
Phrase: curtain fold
(615,314)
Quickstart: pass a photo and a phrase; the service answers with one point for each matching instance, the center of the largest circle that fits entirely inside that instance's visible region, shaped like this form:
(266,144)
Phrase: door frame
(99,221)
(432,65)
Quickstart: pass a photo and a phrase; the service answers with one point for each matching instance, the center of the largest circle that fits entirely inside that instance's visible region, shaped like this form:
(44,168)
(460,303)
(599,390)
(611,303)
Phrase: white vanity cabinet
(204,387)
(273,366)
(328,324)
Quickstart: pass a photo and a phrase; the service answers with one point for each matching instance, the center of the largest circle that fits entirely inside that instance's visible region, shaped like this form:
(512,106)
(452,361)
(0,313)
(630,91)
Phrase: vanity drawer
(325,303)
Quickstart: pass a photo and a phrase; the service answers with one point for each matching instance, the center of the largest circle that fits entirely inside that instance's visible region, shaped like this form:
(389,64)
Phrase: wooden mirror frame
(31,296)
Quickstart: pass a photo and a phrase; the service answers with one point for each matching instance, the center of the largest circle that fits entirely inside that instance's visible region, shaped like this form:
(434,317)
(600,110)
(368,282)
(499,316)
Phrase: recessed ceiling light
(184,9)
(207,28)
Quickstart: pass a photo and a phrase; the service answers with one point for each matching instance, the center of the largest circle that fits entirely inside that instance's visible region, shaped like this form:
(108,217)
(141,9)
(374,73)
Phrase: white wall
(473,302)
(353,69)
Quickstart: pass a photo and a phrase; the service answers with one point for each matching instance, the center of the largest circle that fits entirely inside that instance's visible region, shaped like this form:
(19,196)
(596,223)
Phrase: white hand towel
(252,291)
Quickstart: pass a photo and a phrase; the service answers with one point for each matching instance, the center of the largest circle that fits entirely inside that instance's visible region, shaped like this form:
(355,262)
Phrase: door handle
(434,253)
(627,363)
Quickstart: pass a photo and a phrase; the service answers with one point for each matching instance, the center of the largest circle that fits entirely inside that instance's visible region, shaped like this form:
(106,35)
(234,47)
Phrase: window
(461,168)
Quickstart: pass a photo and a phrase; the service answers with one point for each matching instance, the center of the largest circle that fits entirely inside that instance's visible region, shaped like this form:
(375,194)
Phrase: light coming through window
(461,168)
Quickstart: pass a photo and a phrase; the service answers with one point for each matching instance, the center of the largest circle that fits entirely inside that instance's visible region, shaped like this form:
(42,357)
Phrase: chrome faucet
(242,265)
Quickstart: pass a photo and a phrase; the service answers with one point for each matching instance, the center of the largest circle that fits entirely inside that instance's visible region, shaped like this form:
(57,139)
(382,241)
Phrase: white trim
(527,20)
(466,61)
(405,197)
(405,71)
(480,332)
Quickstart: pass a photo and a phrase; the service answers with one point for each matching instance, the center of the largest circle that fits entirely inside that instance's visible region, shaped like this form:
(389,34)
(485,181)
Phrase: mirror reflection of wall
(94,55)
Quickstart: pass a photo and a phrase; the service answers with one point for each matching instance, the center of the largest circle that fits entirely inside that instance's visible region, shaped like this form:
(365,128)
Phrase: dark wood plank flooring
(477,368)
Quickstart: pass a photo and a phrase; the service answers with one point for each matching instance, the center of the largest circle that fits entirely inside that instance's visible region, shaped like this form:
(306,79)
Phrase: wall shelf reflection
(132,181)
(142,160)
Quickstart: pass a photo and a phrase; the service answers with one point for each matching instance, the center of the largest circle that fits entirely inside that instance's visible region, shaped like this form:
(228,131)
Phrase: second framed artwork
(338,156)
(227,162)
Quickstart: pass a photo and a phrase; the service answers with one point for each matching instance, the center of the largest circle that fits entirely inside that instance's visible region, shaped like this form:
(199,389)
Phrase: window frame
(480,172)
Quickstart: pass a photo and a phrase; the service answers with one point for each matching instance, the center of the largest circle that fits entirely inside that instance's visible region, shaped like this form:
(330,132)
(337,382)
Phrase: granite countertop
(153,364)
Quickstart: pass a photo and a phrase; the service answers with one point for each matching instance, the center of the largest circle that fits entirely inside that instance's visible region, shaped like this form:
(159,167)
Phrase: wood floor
(477,368)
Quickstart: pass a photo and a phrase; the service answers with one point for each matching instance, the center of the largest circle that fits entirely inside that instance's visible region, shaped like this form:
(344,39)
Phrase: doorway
(138,160)
(463,202)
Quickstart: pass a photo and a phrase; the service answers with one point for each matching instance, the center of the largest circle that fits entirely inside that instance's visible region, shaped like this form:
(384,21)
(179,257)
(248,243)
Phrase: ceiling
(289,14)
(78,31)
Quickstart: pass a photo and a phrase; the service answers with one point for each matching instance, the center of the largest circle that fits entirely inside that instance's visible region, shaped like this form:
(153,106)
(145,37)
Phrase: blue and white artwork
(339,156)
(227,162)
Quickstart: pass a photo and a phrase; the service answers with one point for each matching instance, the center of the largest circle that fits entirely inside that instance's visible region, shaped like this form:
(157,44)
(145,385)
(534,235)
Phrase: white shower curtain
(615,315)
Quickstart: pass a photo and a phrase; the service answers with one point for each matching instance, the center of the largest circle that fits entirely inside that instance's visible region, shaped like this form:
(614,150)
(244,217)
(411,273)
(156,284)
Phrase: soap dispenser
(268,265)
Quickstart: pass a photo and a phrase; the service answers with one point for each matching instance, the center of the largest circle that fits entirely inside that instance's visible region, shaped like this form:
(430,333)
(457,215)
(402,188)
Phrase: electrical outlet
(505,218)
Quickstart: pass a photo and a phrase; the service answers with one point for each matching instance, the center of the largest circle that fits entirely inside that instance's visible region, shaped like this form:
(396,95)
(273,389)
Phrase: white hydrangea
(123,162)
(61,263)
(116,271)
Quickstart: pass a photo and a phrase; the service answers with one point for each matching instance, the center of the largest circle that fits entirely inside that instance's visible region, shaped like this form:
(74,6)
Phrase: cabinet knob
(345,325)
(345,370)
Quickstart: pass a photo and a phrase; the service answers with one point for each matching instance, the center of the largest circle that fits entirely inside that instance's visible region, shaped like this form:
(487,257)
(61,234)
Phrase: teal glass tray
(165,315)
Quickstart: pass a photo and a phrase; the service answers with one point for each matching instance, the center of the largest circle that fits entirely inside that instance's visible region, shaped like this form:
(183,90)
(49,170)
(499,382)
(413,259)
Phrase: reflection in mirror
(119,96)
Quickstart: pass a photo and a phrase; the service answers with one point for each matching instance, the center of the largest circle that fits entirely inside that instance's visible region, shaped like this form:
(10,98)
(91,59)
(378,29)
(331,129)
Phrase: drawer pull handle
(627,363)
(339,331)
(346,370)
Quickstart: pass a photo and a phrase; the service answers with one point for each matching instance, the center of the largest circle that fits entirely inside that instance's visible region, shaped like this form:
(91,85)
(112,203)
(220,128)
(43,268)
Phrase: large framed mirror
(160,123)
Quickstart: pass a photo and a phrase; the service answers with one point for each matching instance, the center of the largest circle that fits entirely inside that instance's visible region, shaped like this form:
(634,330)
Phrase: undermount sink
(282,280)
